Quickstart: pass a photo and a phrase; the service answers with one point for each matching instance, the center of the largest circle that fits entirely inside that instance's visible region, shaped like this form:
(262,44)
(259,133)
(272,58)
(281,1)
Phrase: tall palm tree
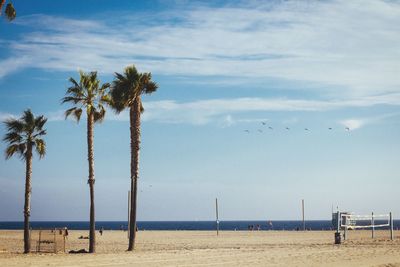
(23,136)
(126,93)
(88,94)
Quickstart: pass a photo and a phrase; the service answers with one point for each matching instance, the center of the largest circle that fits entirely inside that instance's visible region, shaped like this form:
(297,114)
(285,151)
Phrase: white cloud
(4,116)
(353,124)
(351,45)
(228,112)
(205,111)
(357,123)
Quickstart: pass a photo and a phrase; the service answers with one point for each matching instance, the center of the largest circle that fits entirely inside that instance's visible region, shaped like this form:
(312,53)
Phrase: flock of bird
(287,128)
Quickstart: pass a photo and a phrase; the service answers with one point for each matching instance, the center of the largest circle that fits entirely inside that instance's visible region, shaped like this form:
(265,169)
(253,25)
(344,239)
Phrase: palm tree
(24,135)
(126,92)
(88,95)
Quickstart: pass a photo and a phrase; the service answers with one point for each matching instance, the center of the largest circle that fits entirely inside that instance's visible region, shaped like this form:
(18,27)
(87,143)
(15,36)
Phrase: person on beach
(101,230)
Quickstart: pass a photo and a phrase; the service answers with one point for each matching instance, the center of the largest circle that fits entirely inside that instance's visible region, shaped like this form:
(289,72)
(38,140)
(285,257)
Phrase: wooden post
(40,239)
(373,225)
(216,213)
(302,209)
(345,233)
(129,210)
(391,225)
(55,241)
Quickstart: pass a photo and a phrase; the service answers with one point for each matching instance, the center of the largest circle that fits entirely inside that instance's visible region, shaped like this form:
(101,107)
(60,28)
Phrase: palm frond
(99,113)
(12,137)
(40,146)
(29,119)
(40,133)
(72,99)
(10,12)
(77,114)
(11,150)
(14,125)
(141,107)
(40,121)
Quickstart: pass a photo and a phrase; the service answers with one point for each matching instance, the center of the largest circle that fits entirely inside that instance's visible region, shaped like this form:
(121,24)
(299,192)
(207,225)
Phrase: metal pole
(338,222)
(373,225)
(129,210)
(216,213)
(337,234)
(302,208)
(391,226)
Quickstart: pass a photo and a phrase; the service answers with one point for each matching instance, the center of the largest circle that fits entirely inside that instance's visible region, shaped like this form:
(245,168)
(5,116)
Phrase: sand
(204,248)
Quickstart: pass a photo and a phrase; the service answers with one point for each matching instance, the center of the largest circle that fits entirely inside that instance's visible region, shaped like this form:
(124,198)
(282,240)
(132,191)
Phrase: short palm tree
(126,93)
(89,95)
(23,136)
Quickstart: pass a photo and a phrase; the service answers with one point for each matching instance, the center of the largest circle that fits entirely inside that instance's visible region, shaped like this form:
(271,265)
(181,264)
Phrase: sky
(247,93)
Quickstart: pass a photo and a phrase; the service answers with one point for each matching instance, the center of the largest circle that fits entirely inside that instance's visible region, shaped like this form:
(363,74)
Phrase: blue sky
(222,68)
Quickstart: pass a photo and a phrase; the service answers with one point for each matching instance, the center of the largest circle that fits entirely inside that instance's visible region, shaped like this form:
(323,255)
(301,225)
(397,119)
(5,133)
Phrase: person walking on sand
(101,230)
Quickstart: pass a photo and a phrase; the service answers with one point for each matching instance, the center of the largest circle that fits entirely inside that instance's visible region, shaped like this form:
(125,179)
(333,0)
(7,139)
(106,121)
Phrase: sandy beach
(204,248)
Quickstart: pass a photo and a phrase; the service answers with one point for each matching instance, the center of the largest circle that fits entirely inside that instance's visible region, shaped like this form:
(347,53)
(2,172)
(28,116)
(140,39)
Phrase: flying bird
(247,131)
(347,128)
(263,123)
(306,129)
(259,130)
(287,128)
(329,128)
(270,128)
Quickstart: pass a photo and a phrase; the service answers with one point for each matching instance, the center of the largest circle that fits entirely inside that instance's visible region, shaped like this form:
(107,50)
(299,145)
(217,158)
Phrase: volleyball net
(355,221)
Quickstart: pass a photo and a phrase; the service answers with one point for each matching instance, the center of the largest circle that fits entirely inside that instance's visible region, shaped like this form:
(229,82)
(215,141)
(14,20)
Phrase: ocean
(180,225)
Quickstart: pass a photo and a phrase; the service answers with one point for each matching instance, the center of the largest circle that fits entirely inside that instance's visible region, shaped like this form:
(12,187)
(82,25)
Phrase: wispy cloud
(230,111)
(349,45)
(354,124)
(357,123)
(4,116)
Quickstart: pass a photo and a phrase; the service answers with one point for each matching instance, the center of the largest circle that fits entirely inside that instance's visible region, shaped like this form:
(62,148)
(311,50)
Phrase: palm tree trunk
(134,114)
(92,227)
(27,206)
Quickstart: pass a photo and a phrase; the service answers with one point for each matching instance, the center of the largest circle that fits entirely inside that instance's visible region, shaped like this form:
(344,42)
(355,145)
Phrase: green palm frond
(14,125)
(75,112)
(86,94)
(99,113)
(11,150)
(126,87)
(12,137)
(39,123)
(40,146)
(72,99)
(29,119)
